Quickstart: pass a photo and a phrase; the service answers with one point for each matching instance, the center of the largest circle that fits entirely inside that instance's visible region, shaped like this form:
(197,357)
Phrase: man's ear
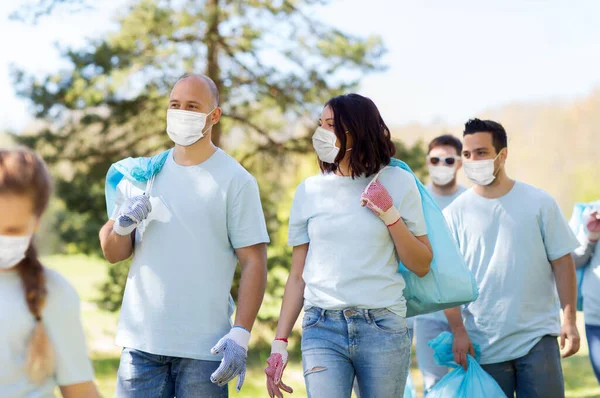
(504,155)
(216,115)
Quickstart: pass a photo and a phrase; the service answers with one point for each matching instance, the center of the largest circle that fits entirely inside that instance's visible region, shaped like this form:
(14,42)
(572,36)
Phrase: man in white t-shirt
(443,161)
(518,245)
(201,215)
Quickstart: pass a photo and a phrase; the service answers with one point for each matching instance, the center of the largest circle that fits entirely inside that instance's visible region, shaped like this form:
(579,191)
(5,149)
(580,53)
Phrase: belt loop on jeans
(322,314)
(368,316)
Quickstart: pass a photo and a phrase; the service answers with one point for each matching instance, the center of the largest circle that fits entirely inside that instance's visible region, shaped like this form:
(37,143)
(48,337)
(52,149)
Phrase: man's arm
(234,345)
(566,284)
(114,246)
(253,261)
(462,343)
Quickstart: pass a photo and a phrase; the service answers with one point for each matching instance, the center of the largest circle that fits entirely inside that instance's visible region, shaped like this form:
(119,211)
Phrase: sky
(447,60)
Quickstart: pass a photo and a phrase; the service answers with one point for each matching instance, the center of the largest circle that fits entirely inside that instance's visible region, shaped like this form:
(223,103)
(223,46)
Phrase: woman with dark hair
(349,225)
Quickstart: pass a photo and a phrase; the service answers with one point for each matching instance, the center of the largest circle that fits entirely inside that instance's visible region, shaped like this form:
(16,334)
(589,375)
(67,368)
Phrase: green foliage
(415,156)
(112,290)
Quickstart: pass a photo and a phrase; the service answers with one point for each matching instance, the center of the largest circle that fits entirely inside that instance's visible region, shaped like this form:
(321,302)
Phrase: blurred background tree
(275,66)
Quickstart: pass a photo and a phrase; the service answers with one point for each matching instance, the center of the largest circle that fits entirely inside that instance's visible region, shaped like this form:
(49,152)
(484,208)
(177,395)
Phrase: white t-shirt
(508,244)
(62,321)
(351,259)
(444,201)
(177,300)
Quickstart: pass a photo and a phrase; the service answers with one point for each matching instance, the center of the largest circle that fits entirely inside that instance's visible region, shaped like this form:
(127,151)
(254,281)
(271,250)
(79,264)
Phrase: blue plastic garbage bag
(133,169)
(459,383)
(449,283)
(409,390)
(577,224)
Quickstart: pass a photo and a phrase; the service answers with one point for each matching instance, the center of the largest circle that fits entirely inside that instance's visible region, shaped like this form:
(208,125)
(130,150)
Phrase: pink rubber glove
(378,199)
(276,364)
(593,226)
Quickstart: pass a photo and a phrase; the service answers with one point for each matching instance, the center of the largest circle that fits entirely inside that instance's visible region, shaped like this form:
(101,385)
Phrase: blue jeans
(592,332)
(143,375)
(372,345)
(536,375)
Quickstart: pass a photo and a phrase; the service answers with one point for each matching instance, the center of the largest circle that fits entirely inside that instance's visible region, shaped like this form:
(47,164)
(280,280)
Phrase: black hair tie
(38,318)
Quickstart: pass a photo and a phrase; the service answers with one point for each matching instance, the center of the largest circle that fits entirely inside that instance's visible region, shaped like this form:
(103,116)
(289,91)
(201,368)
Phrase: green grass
(86,274)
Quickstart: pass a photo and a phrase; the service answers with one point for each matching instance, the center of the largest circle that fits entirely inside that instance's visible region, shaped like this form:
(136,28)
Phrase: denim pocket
(311,318)
(388,322)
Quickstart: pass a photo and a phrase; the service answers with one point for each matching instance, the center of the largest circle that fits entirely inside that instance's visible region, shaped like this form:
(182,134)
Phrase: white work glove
(276,364)
(593,226)
(234,347)
(131,214)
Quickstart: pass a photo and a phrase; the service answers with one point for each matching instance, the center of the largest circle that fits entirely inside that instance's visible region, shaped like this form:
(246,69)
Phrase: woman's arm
(415,252)
(293,296)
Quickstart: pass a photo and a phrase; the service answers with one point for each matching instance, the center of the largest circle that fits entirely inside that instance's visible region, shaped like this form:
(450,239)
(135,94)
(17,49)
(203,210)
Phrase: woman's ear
(349,140)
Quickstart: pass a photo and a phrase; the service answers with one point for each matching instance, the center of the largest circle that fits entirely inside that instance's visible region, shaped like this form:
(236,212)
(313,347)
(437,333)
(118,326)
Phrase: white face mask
(185,127)
(480,172)
(442,175)
(12,250)
(324,143)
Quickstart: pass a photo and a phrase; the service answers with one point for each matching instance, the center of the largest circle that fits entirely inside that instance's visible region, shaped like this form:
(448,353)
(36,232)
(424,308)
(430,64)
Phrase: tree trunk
(212,63)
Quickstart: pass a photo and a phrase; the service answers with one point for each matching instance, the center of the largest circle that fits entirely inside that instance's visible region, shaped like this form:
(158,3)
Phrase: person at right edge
(518,245)
(589,254)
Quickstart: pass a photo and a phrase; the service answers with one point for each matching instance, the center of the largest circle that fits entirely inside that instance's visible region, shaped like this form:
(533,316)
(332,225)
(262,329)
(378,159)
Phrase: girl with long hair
(42,344)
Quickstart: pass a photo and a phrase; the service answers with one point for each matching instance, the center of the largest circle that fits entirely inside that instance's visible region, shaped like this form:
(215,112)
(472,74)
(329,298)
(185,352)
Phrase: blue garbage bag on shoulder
(577,223)
(459,383)
(135,170)
(449,282)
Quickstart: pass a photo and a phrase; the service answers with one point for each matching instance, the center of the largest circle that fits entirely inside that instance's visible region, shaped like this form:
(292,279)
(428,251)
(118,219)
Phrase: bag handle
(149,185)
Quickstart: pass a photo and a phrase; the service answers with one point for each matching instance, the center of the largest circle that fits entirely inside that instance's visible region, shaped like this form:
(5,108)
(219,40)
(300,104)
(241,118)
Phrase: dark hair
(488,126)
(446,140)
(22,172)
(372,146)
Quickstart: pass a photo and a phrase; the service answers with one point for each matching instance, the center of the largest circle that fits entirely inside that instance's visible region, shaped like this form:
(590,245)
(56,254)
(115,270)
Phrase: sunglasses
(449,161)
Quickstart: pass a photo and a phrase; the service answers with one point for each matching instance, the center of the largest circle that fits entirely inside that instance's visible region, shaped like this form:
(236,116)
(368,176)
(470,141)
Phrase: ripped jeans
(372,345)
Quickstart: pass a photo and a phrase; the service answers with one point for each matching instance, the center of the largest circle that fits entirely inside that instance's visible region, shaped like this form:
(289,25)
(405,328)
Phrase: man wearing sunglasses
(443,161)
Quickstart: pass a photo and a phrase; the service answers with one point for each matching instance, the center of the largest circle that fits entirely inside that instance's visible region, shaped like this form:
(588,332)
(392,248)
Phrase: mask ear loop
(204,129)
(495,174)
